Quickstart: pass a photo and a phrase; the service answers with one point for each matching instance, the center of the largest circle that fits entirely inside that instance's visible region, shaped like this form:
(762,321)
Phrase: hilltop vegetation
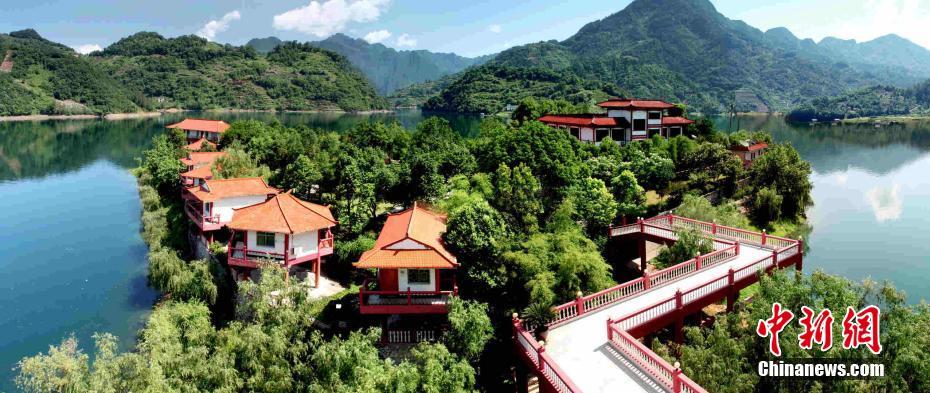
(873,101)
(685,51)
(146,71)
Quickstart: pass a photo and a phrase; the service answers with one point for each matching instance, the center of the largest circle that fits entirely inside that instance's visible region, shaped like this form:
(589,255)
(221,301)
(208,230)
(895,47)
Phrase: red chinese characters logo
(773,326)
(859,328)
(862,328)
(817,329)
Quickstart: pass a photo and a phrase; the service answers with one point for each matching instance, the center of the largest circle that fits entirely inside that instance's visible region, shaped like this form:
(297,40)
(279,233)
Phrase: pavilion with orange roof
(199,144)
(196,129)
(284,229)
(415,271)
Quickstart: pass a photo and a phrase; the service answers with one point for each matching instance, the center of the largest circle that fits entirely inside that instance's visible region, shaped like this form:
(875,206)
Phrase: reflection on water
(871,213)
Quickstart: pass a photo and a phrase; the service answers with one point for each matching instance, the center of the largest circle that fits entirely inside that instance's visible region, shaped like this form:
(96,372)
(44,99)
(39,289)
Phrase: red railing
(585,304)
(372,299)
(249,254)
(646,360)
(653,365)
(326,242)
(535,354)
(197,215)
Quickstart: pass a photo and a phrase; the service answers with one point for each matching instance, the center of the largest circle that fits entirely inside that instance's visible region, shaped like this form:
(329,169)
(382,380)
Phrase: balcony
(240,255)
(373,301)
(205,223)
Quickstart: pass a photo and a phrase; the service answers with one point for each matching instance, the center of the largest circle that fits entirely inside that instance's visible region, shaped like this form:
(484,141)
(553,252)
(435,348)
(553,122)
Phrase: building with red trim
(415,271)
(196,129)
(198,167)
(625,120)
(748,151)
(283,229)
(212,204)
(199,144)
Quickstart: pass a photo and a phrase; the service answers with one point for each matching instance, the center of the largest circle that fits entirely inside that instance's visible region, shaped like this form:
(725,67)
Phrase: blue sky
(470,28)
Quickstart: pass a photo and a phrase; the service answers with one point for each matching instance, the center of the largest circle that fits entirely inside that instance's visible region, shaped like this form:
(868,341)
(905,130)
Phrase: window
(418,276)
(264,239)
(601,134)
(617,134)
(573,131)
(639,124)
(655,115)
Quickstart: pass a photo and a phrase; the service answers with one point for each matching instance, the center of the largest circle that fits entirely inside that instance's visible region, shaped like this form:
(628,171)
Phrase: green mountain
(682,50)
(146,71)
(872,101)
(389,69)
(264,45)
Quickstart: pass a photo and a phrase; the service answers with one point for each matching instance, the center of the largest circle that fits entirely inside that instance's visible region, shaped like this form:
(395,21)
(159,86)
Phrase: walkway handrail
(585,304)
(545,365)
(649,362)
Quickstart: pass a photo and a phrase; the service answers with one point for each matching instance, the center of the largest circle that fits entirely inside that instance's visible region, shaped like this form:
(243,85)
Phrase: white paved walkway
(580,347)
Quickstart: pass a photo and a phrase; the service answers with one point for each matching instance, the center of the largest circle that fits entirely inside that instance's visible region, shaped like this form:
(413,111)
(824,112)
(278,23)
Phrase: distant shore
(140,115)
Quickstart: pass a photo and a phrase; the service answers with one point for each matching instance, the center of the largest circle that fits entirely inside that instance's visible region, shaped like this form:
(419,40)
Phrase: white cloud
(494,28)
(87,48)
(885,202)
(377,36)
(405,40)
(904,17)
(212,27)
(329,17)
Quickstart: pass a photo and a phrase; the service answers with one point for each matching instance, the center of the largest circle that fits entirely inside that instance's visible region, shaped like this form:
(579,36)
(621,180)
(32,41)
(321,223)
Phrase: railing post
(713,227)
(775,259)
(730,277)
(763,236)
(671,221)
(610,332)
(678,299)
(697,261)
(579,303)
(539,352)
(737,247)
(646,283)
(409,297)
(676,378)
(642,224)
(731,291)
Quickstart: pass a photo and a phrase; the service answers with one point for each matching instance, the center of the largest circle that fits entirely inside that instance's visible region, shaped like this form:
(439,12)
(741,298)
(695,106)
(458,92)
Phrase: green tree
(303,176)
(765,206)
(594,205)
(688,245)
(163,164)
(713,167)
(183,280)
(517,195)
(782,169)
(474,232)
(470,328)
(237,163)
(629,195)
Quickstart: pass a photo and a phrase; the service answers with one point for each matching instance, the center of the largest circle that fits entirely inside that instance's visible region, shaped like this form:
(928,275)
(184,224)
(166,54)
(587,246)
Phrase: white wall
(586,134)
(307,243)
(224,207)
(278,243)
(620,113)
(402,284)
(407,244)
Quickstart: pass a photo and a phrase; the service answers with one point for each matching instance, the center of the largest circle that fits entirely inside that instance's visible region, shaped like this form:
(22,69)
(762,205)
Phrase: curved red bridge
(593,344)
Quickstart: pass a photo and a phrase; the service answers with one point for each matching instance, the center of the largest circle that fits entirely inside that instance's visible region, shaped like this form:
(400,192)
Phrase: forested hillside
(872,101)
(685,51)
(146,71)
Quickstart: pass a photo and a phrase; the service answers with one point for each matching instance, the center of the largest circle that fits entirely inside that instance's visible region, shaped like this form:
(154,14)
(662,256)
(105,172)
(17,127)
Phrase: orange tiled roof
(585,120)
(201,125)
(410,239)
(202,158)
(215,189)
(198,144)
(284,213)
(750,146)
(675,121)
(635,103)
(201,172)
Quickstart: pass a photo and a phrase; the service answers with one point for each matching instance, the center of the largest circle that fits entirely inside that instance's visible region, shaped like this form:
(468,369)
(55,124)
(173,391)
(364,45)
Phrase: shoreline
(141,115)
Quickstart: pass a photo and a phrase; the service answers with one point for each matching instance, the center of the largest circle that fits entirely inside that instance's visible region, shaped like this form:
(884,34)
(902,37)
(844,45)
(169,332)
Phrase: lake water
(73,261)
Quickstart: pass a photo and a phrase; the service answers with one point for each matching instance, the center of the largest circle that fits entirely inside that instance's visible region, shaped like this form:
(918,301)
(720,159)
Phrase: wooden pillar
(287,267)
(316,270)
(799,265)
(642,252)
(732,293)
